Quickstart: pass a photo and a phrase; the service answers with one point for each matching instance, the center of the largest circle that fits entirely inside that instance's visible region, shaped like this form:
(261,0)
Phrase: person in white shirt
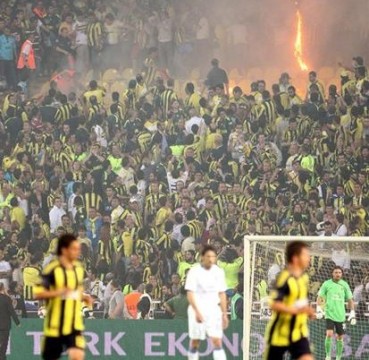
(81,42)
(341,229)
(188,242)
(116,302)
(340,256)
(273,271)
(126,173)
(108,292)
(207,312)
(165,29)
(194,120)
(202,41)
(5,270)
(55,215)
(113,30)
(77,191)
(358,289)
(174,177)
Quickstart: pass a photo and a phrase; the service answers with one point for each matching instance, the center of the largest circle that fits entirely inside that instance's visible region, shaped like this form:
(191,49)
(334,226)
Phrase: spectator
(56,214)
(6,313)
(217,76)
(177,306)
(15,293)
(5,270)
(116,303)
(8,57)
(132,300)
(340,256)
(231,263)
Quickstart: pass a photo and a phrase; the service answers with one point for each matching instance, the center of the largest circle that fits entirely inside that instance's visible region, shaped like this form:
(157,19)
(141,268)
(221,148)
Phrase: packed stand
(147,175)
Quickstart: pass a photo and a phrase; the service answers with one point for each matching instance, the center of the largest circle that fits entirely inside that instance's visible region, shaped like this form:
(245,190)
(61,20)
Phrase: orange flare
(298,43)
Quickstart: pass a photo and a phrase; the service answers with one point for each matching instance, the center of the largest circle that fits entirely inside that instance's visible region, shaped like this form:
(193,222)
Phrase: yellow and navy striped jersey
(144,140)
(92,200)
(64,316)
(167,97)
(63,113)
(150,72)
(206,215)
(94,34)
(220,202)
(62,158)
(151,203)
(284,329)
(31,277)
(143,249)
(105,251)
(193,100)
(196,228)
(164,241)
(92,111)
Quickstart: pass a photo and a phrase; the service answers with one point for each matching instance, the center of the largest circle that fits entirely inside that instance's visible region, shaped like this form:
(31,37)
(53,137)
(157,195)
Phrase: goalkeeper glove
(352,317)
(319,312)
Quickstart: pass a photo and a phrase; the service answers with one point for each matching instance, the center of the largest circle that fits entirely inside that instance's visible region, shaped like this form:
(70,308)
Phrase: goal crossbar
(248,265)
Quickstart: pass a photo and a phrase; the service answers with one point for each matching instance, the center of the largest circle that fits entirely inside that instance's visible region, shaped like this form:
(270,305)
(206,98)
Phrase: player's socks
(339,349)
(328,345)
(219,354)
(193,354)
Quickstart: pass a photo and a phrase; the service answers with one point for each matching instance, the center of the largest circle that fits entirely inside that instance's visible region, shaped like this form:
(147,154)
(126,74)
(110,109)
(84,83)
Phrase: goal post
(264,256)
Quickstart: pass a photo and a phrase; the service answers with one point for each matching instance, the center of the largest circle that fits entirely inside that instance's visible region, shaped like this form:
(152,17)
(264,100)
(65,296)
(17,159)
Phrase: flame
(298,43)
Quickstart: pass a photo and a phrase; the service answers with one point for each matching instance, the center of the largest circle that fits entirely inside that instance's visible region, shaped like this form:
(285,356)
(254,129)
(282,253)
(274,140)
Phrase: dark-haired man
(62,286)
(288,330)
(217,76)
(207,312)
(331,304)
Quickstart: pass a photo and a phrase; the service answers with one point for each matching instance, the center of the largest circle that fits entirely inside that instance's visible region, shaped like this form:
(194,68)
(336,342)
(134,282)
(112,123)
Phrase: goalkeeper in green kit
(331,304)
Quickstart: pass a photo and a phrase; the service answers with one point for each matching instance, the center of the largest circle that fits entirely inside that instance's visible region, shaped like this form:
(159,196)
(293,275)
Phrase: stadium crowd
(148,175)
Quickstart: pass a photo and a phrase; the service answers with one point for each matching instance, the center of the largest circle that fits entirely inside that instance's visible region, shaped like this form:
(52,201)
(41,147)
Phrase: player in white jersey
(207,310)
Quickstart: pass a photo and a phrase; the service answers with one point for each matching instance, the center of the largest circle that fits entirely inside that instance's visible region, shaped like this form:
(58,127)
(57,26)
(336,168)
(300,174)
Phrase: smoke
(333,31)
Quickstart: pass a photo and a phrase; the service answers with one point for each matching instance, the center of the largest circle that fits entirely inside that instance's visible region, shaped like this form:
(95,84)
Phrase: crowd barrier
(117,339)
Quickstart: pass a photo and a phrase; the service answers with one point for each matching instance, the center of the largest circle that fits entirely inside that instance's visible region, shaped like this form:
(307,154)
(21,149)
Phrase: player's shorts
(297,349)
(339,327)
(53,347)
(211,327)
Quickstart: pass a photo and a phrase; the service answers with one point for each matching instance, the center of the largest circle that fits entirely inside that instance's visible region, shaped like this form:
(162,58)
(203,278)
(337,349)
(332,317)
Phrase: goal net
(266,260)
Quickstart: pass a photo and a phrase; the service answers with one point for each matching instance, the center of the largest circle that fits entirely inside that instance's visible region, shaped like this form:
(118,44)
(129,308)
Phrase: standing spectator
(116,303)
(95,43)
(81,42)
(131,300)
(135,269)
(177,306)
(230,261)
(341,229)
(17,215)
(113,30)
(15,293)
(8,58)
(55,214)
(217,76)
(340,256)
(64,51)
(202,38)
(165,38)
(6,314)
(27,60)
(93,225)
(5,270)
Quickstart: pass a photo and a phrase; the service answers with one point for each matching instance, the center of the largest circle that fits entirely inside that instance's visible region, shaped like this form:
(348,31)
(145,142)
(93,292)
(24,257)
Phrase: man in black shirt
(6,313)
(217,76)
